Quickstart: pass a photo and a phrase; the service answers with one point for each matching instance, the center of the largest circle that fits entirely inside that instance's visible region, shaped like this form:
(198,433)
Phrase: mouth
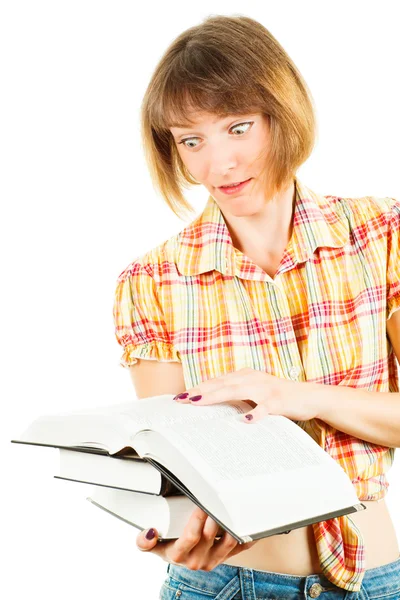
(233,183)
(234,186)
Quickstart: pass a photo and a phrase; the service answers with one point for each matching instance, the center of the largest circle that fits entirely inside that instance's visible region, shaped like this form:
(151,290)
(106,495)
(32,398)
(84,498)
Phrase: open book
(168,515)
(255,480)
(126,472)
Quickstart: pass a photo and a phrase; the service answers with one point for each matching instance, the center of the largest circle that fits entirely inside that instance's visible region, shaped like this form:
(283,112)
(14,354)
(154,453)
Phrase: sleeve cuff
(160,351)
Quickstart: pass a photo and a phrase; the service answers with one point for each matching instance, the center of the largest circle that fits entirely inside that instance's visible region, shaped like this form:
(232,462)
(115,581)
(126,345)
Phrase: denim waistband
(226,581)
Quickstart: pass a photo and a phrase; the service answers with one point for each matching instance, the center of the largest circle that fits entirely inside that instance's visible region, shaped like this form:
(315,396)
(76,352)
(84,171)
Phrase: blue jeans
(226,582)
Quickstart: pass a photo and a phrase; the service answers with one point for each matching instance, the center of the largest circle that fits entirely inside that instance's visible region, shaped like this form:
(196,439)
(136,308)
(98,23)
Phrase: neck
(268,231)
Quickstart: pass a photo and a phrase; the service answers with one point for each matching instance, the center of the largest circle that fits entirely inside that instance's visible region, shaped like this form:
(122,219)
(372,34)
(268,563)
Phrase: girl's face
(219,151)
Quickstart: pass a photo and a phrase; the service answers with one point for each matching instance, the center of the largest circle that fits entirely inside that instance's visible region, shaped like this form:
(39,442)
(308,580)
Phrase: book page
(231,449)
(265,474)
(163,411)
(113,427)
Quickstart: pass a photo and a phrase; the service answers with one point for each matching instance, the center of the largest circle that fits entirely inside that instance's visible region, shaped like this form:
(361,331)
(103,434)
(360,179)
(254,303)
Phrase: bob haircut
(227,65)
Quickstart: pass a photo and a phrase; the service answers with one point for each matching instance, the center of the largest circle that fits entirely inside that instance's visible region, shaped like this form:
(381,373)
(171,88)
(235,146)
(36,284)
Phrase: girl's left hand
(266,393)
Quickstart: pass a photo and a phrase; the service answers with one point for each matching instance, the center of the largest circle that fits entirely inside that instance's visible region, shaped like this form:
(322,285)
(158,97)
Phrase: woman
(275,294)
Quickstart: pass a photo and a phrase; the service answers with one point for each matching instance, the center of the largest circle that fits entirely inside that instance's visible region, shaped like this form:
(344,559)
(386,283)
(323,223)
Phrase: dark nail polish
(249,417)
(150,534)
(195,398)
(181,396)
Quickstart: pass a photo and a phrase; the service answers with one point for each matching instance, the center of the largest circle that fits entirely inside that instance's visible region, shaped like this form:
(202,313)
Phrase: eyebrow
(194,125)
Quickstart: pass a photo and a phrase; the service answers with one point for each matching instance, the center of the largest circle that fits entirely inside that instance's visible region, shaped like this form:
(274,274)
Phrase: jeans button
(315,590)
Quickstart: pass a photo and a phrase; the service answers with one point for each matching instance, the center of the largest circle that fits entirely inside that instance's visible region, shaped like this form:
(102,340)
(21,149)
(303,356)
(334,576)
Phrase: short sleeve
(139,321)
(393,260)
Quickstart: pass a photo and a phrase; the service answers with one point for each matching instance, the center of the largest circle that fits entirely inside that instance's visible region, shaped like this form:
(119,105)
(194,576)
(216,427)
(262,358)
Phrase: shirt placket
(288,350)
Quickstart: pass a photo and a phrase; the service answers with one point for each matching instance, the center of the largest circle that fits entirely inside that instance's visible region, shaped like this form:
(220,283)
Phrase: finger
(256,414)
(240,548)
(222,548)
(226,393)
(147,543)
(214,385)
(231,549)
(191,534)
(211,384)
(210,530)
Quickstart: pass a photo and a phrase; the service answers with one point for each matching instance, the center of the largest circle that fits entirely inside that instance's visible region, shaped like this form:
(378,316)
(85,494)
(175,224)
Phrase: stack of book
(152,461)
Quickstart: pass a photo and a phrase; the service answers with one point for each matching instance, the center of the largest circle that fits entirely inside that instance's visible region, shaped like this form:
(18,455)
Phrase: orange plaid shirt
(198,300)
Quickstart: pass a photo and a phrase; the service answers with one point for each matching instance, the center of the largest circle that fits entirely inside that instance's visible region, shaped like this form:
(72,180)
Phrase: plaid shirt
(198,300)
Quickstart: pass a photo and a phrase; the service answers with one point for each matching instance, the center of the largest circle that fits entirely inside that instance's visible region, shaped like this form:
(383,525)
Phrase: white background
(78,206)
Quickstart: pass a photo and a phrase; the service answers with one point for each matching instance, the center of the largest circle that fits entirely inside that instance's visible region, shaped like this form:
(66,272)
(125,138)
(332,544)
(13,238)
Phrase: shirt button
(294,373)
(315,590)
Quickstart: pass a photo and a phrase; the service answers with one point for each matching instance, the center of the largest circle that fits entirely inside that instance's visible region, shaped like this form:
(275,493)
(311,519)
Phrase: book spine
(168,488)
(305,522)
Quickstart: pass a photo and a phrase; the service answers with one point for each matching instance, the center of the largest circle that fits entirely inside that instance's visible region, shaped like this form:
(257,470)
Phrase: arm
(154,378)
(371,416)
(196,548)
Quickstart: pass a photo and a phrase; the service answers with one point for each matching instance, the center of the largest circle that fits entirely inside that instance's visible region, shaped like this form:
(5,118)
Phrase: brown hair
(226,65)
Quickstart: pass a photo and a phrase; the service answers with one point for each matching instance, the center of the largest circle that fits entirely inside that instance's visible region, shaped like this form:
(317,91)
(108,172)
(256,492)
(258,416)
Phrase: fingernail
(249,417)
(150,534)
(195,398)
(181,396)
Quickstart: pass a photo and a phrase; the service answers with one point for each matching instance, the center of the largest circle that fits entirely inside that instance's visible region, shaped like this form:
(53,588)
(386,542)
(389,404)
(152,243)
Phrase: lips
(233,183)
(234,190)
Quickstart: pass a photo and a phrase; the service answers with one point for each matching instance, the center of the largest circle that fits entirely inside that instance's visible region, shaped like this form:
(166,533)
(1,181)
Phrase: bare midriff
(295,553)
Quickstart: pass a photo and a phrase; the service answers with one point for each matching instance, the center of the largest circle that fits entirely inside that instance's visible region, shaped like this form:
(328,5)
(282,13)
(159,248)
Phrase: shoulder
(363,209)
(368,217)
(155,263)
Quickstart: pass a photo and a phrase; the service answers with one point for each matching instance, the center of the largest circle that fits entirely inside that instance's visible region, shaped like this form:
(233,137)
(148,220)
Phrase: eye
(248,124)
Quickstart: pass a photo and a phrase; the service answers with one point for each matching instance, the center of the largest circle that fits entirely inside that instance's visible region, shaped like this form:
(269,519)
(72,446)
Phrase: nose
(221,161)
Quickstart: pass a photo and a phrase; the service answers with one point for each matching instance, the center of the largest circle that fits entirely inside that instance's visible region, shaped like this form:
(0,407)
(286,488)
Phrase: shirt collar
(206,244)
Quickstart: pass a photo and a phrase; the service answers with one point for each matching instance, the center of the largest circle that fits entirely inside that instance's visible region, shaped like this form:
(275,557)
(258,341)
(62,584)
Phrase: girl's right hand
(196,548)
